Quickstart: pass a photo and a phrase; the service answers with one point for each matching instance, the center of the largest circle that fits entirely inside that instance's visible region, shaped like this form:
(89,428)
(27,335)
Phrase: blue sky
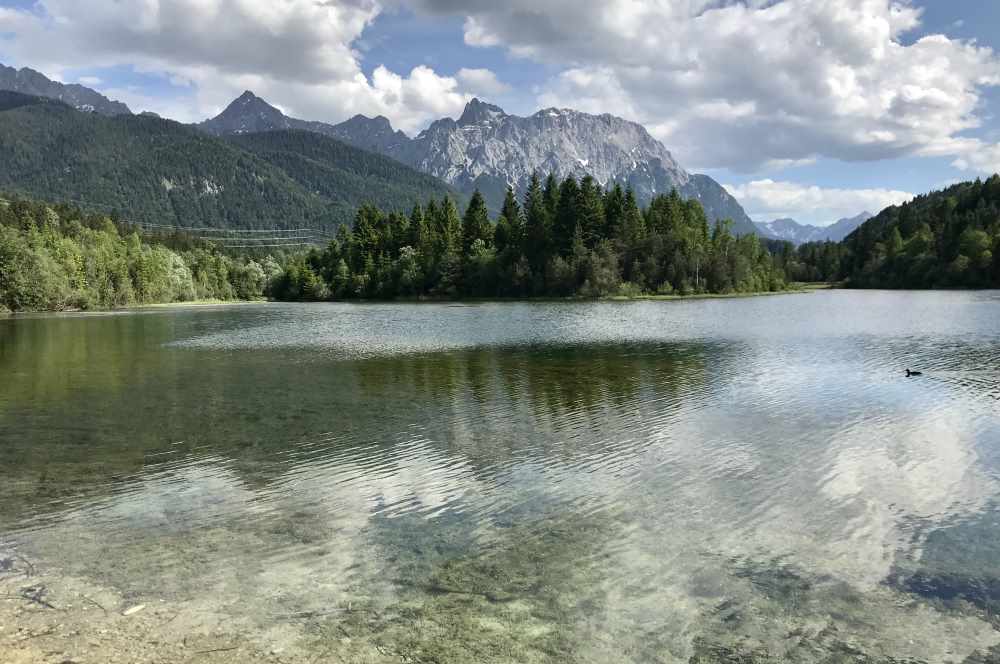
(803,108)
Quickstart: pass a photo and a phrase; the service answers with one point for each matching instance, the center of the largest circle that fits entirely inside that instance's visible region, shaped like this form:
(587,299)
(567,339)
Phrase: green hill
(946,239)
(159,171)
(346,176)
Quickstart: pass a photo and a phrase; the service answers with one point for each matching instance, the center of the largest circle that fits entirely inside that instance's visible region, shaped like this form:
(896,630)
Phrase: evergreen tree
(588,244)
(511,210)
(449,227)
(590,209)
(567,217)
(476,224)
(512,222)
(536,227)
(551,196)
(367,222)
(418,228)
(633,227)
(614,211)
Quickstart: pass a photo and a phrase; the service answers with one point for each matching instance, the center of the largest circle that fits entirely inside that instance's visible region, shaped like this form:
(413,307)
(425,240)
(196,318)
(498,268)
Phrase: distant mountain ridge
(249,114)
(161,171)
(792,231)
(30,82)
(488,149)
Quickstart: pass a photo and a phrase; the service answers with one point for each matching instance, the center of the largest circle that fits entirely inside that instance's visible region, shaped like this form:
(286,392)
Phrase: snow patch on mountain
(489,149)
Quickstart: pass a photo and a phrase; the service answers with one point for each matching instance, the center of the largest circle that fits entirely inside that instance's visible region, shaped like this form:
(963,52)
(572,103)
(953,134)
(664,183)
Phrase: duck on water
(913,373)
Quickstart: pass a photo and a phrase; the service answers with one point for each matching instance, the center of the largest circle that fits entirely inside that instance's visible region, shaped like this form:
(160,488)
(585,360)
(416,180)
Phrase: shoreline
(799,289)
(802,288)
(197,304)
(706,296)
(192,303)
(576,300)
(567,300)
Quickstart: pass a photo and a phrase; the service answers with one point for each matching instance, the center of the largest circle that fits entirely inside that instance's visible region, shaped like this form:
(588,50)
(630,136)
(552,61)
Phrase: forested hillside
(565,238)
(346,176)
(30,82)
(949,238)
(568,238)
(54,258)
(945,239)
(159,171)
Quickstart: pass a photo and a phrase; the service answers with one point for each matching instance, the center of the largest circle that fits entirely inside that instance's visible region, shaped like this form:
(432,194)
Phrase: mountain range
(30,82)
(792,231)
(160,171)
(487,149)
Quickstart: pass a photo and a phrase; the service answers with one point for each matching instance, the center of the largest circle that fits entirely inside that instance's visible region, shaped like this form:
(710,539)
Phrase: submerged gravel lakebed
(718,481)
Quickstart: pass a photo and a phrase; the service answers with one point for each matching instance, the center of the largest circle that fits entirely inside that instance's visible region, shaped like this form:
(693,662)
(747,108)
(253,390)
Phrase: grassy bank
(198,303)
(708,296)
(427,299)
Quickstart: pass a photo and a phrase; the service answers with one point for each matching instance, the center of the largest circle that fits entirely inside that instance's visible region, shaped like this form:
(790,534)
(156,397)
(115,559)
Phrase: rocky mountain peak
(247,114)
(248,102)
(479,112)
(375,134)
(554,113)
(364,123)
(30,82)
(488,149)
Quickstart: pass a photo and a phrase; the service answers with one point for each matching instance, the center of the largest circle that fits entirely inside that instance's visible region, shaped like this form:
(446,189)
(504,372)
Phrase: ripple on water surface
(557,482)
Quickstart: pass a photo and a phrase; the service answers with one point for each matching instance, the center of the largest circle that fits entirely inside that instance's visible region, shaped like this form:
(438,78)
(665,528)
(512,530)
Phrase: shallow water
(709,481)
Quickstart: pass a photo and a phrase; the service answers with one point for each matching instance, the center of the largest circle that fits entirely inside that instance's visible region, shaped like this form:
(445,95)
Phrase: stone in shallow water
(982,592)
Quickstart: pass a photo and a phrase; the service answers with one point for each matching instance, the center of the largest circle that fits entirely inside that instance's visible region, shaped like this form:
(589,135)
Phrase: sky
(810,109)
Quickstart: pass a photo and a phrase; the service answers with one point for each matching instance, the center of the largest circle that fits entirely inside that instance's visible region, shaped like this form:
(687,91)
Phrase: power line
(245,238)
(317,236)
(256,239)
(264,246)
(189,230)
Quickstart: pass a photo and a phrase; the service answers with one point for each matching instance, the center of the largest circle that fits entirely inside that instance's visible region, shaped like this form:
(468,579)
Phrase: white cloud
(89,80)
(740,84)
(177,108)
(977,156)
(297,53)
(765,200)
(594,88)
(747,84)
(476,35)
(482,81)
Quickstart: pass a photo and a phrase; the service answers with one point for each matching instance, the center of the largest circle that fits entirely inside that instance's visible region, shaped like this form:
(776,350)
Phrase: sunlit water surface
(632,482)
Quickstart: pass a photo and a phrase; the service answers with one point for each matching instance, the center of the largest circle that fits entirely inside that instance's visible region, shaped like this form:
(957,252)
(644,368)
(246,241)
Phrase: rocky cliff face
(30,82)
(486,143)
(489,149)
(374,134)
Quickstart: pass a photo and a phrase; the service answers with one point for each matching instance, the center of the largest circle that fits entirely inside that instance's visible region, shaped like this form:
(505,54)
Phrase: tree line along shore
(568,238)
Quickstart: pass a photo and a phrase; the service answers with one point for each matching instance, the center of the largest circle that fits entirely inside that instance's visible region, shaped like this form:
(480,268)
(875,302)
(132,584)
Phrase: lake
(746,480)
